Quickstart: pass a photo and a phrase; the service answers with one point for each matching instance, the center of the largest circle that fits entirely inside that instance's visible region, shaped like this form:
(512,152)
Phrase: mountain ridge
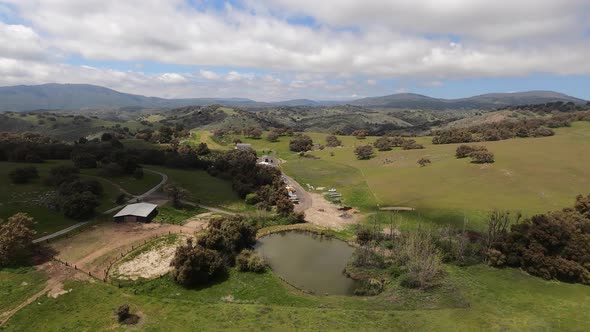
(86,96)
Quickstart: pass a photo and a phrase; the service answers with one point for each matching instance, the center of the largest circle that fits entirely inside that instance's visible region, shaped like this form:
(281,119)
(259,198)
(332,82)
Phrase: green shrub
(252,199)
(368,287)
(249,261)
(23,174)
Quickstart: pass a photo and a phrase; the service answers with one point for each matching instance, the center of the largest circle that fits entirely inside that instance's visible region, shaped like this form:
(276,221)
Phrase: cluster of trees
(115,159)
(76,198)
(16,238)
(31,148)
(386,143)
(275,133)
(557,106)
(252,132)
(301,143)
(333,141)
(555,245)
(364,152)
(506,129)
(164,134)
(264,182)
(23,175)
(360,134)
(217,248)
(111,159)
(478,154)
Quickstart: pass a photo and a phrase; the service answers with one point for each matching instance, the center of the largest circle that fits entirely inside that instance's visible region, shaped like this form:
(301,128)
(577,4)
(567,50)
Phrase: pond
(308,261)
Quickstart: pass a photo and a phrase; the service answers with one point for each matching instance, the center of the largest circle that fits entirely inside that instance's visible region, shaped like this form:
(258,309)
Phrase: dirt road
(134,200)
(305,200)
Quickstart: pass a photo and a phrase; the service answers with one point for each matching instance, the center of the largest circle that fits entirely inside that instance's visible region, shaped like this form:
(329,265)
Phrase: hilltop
(84,96)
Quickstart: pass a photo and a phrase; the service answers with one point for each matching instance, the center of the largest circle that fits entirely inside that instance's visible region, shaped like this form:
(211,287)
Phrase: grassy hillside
(62,126)
(531,175)
(491,300)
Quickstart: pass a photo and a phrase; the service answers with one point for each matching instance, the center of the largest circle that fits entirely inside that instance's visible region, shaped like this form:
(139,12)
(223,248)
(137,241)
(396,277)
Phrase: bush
(80,186)
(195,265)
(249,261)
(138,173)
(228,236)
(252,199)
(301,144)
(84,160)
(368,287)
(481,157)
(333,141)
(383,143)
(122,312)
(111,170)
(16,236)
(79,205)
(424,161)
(411,145)
(61,174)
(23,174)
(364,152)
(464,151)
(552,246)
(421,260)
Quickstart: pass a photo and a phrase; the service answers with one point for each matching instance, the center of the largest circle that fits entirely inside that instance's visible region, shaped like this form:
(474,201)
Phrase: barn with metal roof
(138,212)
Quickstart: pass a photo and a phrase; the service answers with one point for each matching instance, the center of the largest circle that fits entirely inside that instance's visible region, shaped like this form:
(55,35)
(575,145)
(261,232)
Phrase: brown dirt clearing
(326,214)
(94,249)
(150,264)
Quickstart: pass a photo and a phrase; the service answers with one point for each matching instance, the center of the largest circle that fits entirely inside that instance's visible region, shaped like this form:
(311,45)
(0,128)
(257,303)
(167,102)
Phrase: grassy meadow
(205,189)
(530,175)
(487,299)
(33,197)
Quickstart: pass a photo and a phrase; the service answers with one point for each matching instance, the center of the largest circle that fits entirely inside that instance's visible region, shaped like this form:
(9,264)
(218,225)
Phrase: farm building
(243,146)
(138,212)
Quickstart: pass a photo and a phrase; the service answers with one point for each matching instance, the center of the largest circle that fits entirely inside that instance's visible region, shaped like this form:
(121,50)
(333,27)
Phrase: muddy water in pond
(308,261)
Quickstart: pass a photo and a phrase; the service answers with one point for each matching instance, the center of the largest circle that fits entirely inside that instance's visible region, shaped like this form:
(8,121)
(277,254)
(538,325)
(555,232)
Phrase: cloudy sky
(284,49)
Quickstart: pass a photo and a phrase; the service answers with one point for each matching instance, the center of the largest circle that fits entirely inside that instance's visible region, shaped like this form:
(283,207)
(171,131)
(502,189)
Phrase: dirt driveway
(323,213)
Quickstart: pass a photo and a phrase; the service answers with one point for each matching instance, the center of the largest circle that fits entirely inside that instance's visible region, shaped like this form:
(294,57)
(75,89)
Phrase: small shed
(138,212)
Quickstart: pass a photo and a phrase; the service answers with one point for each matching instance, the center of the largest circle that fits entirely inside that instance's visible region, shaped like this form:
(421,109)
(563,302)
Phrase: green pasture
(530,175)
(483,299)
(205,189)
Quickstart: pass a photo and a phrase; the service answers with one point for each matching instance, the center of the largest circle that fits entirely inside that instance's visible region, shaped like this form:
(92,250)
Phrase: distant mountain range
(85,96)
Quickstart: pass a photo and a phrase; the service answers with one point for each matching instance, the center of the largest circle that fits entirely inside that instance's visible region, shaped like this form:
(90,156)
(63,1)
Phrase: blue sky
(286,49)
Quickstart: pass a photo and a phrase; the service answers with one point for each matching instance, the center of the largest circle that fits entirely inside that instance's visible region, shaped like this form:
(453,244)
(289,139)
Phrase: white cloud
(427,40)
(210,75)
(173,78)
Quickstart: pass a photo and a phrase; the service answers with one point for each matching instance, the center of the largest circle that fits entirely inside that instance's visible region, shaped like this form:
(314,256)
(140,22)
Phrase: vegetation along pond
(308,261)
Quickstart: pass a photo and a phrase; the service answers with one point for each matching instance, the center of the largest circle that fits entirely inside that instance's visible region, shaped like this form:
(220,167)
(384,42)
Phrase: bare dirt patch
(149,264)
(200,221)
(94,249)
(326,214)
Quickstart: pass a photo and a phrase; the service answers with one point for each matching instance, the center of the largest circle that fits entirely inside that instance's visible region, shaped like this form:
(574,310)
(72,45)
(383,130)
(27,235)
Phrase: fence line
(118,257)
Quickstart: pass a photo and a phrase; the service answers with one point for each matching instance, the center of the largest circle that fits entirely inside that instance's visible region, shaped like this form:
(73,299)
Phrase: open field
(32,197)
(18,284)
(488,299)
(531,175)
(205,189)
(128,182)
